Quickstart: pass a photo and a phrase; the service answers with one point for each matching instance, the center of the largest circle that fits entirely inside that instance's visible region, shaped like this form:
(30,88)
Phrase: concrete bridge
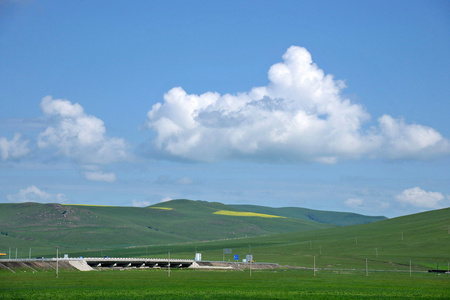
(136,262)
(88,263)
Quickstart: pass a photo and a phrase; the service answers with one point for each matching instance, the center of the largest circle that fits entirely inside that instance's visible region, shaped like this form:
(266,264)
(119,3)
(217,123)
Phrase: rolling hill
(422,240)
(81,226)
(185,227)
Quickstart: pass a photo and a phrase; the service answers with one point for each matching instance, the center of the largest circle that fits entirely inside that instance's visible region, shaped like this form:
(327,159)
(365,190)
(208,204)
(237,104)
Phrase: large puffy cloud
(78,135)
(14,148)
(300,115)
(420,198)
(34,194)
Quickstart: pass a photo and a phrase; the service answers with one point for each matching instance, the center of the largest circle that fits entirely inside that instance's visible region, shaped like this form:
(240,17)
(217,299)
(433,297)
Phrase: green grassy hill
(423,238)
(185,227)
(42,226)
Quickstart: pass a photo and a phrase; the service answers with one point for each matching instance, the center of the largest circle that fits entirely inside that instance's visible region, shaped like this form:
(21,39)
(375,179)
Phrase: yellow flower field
(165,208)
(244,214)
(88,205)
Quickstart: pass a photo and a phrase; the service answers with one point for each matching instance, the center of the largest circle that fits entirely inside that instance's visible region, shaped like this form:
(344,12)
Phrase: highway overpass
(87,263)
(91,263)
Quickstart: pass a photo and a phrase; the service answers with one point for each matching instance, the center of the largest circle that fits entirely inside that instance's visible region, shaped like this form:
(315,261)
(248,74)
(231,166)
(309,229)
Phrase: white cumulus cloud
(34,194)
(14,148)
(420,198)
(400,140)
(79,136)
(301,115)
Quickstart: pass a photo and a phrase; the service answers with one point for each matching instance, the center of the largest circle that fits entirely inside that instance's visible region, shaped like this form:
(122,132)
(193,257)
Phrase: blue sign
(236,257)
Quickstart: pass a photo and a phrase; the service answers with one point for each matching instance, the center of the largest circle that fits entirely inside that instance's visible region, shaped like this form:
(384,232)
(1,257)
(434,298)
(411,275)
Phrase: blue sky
(332,105)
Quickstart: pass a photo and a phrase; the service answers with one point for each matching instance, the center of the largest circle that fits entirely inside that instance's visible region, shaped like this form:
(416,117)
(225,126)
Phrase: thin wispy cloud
(301,115)
(354,202)
(100,176)
(136,203)
(167,179)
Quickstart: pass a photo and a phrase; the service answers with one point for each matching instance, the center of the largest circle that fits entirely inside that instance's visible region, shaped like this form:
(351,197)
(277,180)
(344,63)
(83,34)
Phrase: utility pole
(57,269)
(168,266)
(314,265)
(367,268)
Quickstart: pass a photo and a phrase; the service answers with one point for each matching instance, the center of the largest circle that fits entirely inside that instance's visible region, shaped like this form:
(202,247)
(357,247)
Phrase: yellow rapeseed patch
(89,205)
(244,214)
(165,208)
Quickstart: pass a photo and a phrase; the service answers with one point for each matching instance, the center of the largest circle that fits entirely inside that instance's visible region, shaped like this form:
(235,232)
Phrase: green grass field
(194,284)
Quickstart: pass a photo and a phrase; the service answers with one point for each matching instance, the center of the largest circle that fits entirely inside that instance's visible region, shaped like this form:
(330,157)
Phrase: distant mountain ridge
(33,224)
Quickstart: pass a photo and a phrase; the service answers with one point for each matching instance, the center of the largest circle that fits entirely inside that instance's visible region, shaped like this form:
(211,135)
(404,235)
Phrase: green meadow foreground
(194,284)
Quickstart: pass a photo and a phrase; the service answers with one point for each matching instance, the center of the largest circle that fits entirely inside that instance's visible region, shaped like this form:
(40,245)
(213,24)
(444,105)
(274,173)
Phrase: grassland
(85,227)
(192,284)
(420,241)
